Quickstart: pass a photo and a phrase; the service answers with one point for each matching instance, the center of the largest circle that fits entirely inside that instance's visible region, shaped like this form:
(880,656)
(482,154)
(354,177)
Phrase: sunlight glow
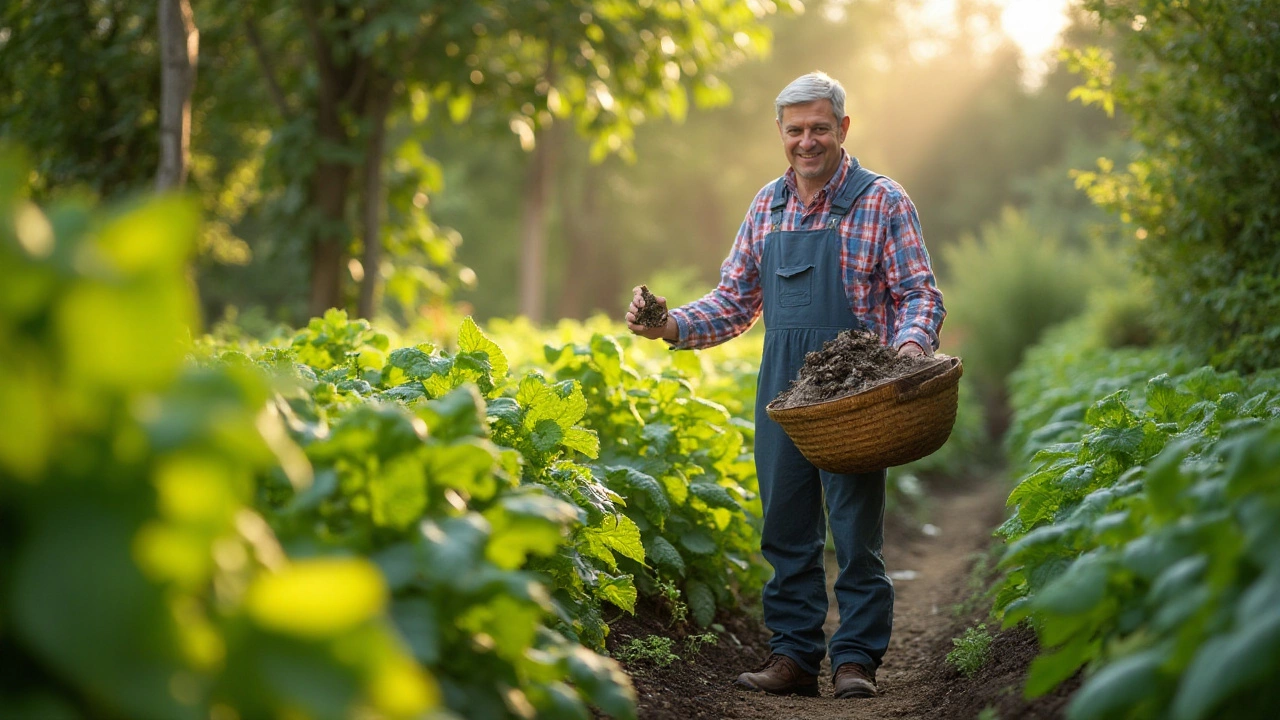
(1033,25)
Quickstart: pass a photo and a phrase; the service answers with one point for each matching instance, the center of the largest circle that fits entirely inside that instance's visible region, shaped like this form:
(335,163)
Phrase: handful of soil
(653,314)
(849,364)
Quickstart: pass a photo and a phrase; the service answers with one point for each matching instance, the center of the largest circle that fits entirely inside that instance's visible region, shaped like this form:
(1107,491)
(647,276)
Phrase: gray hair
(807,88)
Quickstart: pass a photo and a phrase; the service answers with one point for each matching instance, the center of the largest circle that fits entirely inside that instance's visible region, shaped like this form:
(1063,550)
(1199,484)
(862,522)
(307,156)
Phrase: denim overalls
(805,305)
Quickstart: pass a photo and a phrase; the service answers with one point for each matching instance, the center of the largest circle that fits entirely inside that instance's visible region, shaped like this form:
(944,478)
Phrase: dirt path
(932,571)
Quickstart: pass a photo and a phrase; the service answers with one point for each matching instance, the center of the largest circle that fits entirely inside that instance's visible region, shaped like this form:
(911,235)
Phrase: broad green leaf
(452,548)
(607,357)
(558,701)
(583,440)
(659,437)
(1112,412)
(1119,686)
(511,625)
(621,535)
(620,591)
(547,435)
(698,542)
(1165,401)
(406,392)
(603,683)
(472,367)
(665,555)
(676,486)
(1079,589)
(25,393)
(713,495)
(505,409)
(702,603)
(458,414)
(398,493)
(1035,544)
(638,486)
(76,598)
(1228,665)
(419,625)
(1048,670)
(563,404)
(317,598)
(526,524)
(466,467)
(416,364)
(471,339)
(1115,441)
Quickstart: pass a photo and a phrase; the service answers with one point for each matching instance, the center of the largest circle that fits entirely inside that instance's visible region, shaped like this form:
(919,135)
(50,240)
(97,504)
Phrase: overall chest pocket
(795,285)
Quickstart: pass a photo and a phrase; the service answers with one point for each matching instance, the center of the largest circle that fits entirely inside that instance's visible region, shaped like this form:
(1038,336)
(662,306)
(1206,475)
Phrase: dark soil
(934,587)
(653,314)
(854,361)
(998,685)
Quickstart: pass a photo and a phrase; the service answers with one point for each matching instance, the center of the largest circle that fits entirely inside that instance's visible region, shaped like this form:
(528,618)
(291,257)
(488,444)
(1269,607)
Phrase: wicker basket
(895,423)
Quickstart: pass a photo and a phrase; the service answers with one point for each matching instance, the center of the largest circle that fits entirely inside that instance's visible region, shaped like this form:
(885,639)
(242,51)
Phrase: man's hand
(671,332)
(910,349)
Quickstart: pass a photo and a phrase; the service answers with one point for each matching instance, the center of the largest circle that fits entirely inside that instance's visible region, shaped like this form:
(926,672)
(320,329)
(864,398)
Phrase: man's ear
(844,127)
(779,124)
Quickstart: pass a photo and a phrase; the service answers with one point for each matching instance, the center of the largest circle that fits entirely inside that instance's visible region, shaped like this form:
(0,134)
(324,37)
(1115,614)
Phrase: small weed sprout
(988,713)
(671,595)
(653,648)
(693,644)
(971,649)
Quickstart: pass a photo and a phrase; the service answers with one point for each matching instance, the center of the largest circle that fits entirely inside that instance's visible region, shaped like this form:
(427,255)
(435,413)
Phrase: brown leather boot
(854,681)
(780,675)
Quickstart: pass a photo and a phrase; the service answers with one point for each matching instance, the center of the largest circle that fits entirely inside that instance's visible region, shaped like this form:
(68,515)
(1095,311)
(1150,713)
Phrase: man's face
(811,137)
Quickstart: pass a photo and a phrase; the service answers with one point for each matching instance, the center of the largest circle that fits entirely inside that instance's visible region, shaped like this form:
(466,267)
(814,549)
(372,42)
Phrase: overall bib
(805,305)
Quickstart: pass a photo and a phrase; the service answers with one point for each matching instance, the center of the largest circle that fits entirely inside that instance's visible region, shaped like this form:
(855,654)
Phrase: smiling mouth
(808,156)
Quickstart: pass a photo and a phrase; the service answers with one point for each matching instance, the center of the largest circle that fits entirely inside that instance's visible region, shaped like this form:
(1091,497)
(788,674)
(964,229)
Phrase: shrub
(654,649)
(971,650)
(1003,288)
(1200,197)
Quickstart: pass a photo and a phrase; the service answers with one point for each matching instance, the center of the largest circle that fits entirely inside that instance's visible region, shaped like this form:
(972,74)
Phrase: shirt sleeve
(733,306)
(917,301)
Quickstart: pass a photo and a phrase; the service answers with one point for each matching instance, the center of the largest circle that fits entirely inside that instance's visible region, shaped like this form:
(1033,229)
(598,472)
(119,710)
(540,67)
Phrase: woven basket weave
(898,422)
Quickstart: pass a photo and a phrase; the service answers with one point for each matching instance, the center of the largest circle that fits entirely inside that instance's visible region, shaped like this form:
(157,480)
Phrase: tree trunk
(377,106)
(179,50)
(332,179)
(328,199)
(533,223)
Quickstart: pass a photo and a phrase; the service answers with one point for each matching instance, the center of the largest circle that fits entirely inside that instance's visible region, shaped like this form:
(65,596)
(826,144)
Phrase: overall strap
(857,183)
(780,196)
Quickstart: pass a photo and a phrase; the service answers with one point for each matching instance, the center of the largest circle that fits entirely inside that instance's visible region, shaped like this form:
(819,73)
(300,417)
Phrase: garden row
(328,526)
(1144,539)
(328,523)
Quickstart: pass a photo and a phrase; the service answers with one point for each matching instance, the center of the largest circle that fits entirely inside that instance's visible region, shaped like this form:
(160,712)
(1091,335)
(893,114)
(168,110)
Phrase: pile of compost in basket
(854,361)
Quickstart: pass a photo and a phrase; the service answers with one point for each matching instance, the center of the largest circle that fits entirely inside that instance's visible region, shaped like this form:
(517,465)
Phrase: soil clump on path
(854,361)
(934,575)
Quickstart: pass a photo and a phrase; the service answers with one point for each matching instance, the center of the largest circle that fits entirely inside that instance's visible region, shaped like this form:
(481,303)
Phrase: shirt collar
(834,184)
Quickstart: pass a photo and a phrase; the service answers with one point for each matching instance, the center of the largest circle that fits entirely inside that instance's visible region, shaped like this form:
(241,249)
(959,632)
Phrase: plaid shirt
(884,264)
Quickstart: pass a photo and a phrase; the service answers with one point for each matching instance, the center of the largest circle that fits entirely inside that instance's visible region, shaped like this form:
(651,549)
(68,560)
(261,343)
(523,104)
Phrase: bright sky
(1034,25)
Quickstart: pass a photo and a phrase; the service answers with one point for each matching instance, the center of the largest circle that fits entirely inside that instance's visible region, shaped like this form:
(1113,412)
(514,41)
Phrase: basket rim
(939,361)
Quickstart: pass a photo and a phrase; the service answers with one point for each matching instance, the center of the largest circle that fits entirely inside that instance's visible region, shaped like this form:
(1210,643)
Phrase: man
(827,247)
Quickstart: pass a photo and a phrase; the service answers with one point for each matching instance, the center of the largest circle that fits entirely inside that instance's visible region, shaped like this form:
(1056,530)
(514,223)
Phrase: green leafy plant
(971,650)
(1199,202)
(693,644)
(654,649)
(1142,538)
(140,579)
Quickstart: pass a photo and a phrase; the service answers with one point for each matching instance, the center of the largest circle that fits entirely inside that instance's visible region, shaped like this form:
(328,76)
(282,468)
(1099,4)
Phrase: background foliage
(1200,195)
